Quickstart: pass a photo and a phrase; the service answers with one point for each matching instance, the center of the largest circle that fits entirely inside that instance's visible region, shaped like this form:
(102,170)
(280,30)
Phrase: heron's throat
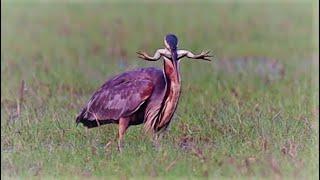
(172,71)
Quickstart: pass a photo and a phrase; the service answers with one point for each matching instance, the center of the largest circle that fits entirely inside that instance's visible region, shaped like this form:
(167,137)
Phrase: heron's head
(171,42)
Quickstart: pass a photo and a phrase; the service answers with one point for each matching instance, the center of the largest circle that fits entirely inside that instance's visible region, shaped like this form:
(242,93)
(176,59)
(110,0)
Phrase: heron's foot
(156,145)
(107,145)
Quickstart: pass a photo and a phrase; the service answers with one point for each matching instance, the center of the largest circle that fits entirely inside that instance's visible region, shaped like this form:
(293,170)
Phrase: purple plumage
(123,96)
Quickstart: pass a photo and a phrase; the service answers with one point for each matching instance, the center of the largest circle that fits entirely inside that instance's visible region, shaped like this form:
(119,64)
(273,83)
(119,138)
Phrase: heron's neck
(172,95)
(172,73)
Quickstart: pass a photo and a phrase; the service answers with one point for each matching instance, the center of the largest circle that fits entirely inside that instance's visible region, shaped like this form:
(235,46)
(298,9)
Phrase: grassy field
(252,112)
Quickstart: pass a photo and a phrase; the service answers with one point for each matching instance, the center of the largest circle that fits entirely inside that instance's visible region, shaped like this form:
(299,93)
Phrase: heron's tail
(80,116)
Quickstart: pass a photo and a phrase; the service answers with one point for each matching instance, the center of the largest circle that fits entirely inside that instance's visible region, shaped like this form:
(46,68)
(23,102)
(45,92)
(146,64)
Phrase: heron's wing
(119,97)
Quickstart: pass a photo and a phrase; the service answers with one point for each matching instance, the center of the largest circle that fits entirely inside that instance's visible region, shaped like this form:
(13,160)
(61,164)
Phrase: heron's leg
(155,140)
(123,126)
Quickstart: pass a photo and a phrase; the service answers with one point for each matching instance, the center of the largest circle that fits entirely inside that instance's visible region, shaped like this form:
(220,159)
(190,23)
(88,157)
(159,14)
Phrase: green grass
(228,124)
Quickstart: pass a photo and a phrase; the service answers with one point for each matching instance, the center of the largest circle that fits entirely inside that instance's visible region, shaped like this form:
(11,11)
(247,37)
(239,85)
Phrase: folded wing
(119,97)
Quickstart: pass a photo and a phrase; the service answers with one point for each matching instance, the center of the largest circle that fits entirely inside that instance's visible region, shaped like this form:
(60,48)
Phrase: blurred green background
(252,112)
